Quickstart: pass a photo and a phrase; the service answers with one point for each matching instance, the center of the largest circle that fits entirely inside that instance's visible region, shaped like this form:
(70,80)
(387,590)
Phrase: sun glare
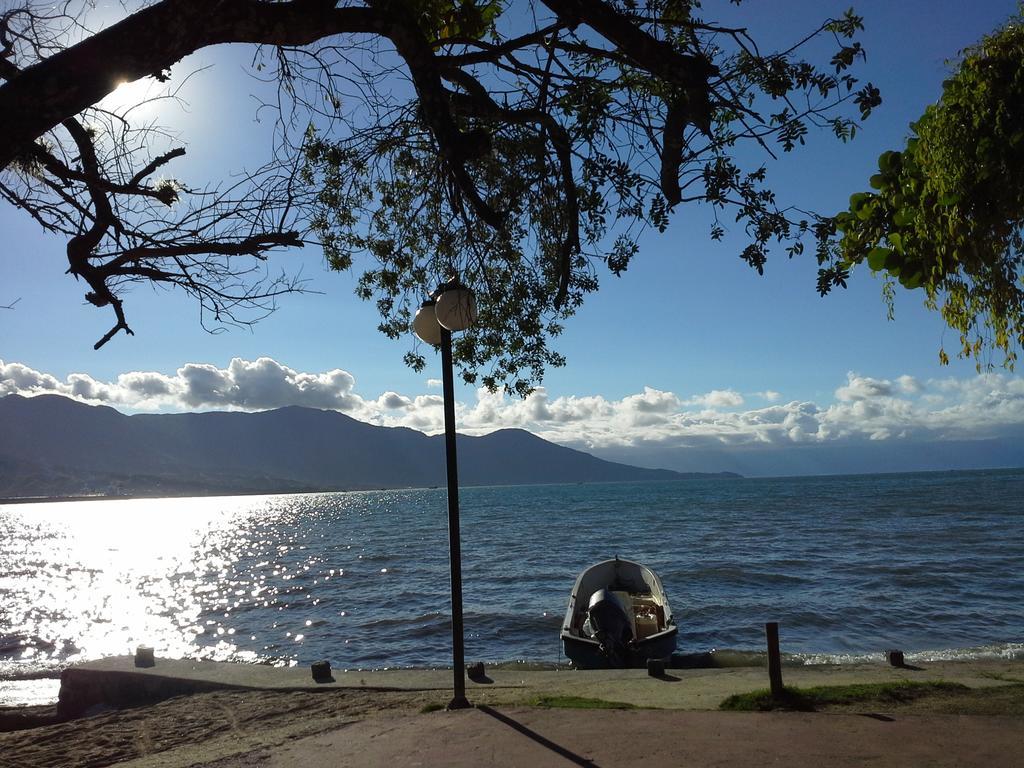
(140,97)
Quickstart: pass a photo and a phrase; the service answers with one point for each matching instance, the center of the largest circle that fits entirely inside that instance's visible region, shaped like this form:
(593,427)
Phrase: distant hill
(54,446)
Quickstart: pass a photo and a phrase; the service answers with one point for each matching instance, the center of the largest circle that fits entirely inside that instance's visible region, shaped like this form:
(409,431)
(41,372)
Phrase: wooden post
(771,632)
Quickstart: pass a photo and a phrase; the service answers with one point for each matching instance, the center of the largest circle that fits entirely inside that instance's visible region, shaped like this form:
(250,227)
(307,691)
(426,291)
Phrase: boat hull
(630,581)
(586,653)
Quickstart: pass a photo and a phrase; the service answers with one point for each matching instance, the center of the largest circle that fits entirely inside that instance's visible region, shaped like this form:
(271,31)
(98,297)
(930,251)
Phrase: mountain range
(52,446)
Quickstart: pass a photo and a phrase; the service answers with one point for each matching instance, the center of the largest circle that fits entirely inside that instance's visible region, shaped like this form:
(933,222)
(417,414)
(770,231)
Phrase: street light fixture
(453,308)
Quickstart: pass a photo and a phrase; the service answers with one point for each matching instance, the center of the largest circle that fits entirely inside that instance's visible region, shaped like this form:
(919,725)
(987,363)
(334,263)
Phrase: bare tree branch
(148,43)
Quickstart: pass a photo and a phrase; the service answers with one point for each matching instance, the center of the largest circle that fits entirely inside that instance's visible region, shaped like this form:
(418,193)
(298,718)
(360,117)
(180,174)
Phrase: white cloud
(87,388)
(243,385)
(148,385)
(910,385)
(718,398)
(16,378)
(652,401)
(392,401)
(864,408)
(770,395)
(262,384)
(863,388)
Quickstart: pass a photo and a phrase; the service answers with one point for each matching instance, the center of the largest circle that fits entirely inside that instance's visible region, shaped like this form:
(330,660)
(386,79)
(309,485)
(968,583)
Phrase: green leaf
(911,282)
(887,161)
(491,11)
(903,217)
(877,257)
(857,199)
(866,209)
(877,181)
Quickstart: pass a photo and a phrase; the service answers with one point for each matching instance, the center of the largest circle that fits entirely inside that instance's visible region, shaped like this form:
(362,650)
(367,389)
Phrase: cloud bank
(864,409)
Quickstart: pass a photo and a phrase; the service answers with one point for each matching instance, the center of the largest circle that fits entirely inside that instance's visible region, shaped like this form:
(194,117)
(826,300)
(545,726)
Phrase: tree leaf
(904,217)
(877,257)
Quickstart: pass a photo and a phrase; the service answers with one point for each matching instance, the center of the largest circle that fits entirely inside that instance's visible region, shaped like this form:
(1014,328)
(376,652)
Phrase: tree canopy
(523,146)
(946,212)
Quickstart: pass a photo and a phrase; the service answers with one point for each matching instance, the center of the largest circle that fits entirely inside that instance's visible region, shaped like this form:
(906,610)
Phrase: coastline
(33,686)
(310,490)
(251,712)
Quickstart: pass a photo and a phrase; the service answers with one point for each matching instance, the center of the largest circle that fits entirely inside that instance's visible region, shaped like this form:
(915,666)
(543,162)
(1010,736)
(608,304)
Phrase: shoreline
(117,681)
(42,685)
(281,717)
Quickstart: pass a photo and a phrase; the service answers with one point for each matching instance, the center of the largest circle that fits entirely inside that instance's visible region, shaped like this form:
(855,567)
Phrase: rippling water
(849,566)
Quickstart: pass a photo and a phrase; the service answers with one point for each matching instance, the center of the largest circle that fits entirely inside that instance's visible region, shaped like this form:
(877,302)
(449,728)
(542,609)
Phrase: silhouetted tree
(520,145)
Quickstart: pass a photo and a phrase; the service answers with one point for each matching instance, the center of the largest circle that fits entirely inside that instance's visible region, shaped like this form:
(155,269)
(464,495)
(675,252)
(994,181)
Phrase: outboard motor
(611,626)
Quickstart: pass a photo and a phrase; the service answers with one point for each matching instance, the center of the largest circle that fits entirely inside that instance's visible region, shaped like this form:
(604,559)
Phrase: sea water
(929,563)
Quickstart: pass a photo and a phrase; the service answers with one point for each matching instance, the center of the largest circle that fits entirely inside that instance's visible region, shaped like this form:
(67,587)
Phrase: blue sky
(689,359)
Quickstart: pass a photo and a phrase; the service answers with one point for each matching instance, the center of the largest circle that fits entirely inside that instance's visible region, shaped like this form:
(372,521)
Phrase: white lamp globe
(456,307)
(425,324)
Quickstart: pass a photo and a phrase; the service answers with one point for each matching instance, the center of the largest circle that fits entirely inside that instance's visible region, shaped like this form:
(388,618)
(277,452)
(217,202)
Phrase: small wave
(744,577)
(1000,651)
(29,693)
(718,658)
(837,658)
(17,644)
(21,670)
(524,665)
(521,623)
(407,621)
(481,622)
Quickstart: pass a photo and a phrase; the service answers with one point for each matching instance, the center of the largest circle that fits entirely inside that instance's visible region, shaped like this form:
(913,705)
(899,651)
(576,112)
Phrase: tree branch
(148,42)
(456,147)
(478,103)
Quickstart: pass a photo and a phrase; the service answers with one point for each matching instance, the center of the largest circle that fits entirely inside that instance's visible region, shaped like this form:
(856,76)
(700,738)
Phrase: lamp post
(453,308)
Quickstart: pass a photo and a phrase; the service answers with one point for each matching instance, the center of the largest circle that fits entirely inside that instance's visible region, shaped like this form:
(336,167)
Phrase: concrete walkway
(531,738)
(117,681)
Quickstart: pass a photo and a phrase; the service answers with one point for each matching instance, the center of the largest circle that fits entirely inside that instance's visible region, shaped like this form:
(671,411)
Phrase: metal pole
(459,701)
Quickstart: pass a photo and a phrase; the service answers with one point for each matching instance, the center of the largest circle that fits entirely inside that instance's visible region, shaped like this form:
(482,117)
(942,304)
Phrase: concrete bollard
(895,658)
(656,667)
(321,672)
(475,672)
(144,656)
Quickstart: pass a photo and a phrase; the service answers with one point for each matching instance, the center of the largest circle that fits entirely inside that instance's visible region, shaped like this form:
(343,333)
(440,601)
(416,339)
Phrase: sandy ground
(198,728)
(352,727)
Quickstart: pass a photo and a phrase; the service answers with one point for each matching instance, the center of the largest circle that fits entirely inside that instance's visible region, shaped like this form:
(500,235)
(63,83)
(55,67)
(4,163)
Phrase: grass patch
(575,702)
(435,707)
(1001,677)
(996,700)
(885,695)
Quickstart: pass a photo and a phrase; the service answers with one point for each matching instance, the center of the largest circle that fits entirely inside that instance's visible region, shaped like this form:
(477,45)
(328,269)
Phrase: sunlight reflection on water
(98,578)
(247,578)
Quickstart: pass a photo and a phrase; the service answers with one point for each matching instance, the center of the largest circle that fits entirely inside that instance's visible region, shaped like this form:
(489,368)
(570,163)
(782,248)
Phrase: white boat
(618,616)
